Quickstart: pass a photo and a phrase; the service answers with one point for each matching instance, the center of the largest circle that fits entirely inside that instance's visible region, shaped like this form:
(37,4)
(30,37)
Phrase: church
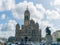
(30,29)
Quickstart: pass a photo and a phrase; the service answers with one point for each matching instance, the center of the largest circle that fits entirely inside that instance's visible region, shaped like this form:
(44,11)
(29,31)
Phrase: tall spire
(27,10)
(27,5)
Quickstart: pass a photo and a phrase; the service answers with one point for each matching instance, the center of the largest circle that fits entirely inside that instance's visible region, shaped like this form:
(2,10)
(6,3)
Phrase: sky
(45,12)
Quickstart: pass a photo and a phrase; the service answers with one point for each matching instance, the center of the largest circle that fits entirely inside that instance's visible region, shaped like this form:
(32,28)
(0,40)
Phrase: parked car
(54,43)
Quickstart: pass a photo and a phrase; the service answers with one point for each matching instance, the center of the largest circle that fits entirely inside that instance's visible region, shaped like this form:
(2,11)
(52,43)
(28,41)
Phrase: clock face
(26,23)
(26,14)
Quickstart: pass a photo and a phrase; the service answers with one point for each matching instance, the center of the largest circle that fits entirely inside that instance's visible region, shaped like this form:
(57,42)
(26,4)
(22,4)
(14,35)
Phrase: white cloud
(1,25)
(7,4)
(35,12)
(52,14)
(11,24)
(6,34)
(3,16)
(57,2)
(56,5)
(18,12)
(1,5)
(57,9)
(8,29)
(41,8)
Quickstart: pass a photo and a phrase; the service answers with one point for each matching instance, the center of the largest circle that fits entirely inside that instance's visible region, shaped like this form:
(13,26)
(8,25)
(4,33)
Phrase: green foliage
(58,39)
(11,39)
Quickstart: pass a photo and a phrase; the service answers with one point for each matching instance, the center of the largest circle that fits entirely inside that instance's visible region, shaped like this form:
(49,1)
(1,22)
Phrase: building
(56,35)
(3,41)
(30,29)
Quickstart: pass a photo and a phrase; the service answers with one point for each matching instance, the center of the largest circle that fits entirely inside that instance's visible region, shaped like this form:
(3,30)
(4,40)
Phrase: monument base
(48,39)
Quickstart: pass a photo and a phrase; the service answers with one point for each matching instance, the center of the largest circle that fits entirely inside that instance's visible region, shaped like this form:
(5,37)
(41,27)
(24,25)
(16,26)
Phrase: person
(21,42)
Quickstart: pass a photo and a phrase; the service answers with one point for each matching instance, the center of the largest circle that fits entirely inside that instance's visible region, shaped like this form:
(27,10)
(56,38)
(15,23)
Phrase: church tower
(17,31)
(17,27)
(26,18)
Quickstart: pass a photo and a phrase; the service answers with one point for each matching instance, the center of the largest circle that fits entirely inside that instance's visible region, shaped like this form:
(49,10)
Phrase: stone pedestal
(48,39)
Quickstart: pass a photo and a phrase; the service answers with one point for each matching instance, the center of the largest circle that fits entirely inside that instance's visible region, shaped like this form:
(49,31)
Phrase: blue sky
(45,12)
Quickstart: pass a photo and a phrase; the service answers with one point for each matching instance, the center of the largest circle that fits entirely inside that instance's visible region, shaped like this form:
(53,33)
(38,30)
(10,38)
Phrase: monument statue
(48,36)
(48,32)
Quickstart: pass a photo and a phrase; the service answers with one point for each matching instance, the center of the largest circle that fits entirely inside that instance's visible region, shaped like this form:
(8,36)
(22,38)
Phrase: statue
(48,32)
(48,36)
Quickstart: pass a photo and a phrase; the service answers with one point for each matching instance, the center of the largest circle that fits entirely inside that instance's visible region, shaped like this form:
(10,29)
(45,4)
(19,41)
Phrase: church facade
(30,29)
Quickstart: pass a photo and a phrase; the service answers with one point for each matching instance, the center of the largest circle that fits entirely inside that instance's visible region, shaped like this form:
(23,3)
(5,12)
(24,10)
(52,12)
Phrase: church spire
(26,16)
(27,7)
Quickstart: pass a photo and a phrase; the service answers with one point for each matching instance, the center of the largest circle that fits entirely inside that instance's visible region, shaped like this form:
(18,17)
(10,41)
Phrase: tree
(58,39)
(11,39)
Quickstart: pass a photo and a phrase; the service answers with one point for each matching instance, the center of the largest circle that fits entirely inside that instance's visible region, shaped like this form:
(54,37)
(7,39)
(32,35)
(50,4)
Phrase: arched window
(26,18)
